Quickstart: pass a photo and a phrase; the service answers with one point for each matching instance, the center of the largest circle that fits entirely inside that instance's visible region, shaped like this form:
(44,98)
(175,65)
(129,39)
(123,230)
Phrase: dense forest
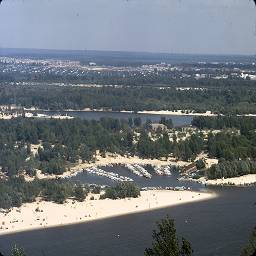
(64,142)
(15,191)
(234,145)
(242,123)
(231,146)
(229,169)
(226,100)
(235,141)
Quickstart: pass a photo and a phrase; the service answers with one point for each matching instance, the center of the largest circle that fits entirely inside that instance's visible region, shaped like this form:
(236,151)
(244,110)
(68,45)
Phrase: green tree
(250,248)
(166,242)
(200,164)
(122,190)
(79,193)
(17,251)
(186,248)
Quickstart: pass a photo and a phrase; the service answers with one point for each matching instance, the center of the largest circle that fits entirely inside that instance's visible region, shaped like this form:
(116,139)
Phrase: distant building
(157,126)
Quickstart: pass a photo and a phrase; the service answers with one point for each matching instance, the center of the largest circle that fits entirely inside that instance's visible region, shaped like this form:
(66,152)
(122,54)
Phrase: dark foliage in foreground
(17,251)
(250,248)
(166,242)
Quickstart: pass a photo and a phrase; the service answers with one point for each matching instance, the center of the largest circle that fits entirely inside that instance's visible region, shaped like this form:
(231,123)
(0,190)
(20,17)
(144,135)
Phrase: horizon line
(128,51)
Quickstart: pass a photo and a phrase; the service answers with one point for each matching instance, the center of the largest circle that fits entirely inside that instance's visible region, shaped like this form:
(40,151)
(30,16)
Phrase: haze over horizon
(158,26)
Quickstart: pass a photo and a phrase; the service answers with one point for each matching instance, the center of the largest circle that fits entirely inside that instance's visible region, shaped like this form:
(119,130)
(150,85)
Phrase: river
(178,120)
(218,227)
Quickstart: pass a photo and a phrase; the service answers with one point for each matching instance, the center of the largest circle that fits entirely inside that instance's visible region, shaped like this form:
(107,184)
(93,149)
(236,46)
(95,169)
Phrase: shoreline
(49,214)
(241,181)
(177,112)
(149,112)
(185,112)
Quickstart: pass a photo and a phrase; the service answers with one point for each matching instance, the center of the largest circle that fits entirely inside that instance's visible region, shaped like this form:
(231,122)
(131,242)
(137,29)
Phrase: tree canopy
(166,242)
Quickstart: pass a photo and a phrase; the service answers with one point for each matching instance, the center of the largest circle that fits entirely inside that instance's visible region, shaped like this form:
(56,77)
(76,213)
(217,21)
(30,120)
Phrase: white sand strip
(236,181)
(49,214)
(177,112)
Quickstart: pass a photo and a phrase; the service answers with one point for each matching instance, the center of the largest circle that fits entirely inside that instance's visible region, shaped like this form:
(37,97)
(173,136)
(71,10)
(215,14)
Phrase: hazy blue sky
(175,26)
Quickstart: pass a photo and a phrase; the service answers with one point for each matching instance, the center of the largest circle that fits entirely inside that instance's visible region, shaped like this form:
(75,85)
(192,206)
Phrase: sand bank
(6,116)
(30,115)
(47,214)
(236,181)
(177,112)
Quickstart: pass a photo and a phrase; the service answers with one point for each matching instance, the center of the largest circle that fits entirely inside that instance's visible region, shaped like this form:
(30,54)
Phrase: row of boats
(177,188)
(134,168)
(142,172)
(163,170)
(138,170)
(110,175)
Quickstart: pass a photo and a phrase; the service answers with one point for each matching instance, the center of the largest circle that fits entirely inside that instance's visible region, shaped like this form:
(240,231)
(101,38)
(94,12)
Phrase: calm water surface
(155,181)
(178,120)
(217,227)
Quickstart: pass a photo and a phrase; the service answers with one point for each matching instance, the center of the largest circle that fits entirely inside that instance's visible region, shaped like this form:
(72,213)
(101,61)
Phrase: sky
(173,26)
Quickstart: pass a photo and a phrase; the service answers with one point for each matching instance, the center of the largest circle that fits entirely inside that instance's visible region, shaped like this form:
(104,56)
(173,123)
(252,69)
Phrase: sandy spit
(43,214)
(236,181)
(177,112)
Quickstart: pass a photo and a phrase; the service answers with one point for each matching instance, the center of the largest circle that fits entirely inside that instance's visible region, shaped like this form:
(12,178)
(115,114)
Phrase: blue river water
(217,227)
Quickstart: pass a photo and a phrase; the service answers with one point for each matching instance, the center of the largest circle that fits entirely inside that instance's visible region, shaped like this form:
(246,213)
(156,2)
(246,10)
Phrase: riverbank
(9,116)
(149,112)
(43,214)
(244,180)
(177,112)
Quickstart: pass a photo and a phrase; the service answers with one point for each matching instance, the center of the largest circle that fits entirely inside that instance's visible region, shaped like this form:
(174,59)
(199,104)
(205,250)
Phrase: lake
(178,120)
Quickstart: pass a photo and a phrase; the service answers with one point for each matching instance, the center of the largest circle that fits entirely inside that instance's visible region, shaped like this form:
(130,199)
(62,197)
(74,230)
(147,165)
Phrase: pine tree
(17,251)
(250,248)
(166,242)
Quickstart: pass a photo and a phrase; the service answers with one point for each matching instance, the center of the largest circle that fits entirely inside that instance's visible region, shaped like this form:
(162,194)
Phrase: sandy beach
(177,112)
(43,214)
(6,116)
(236,181)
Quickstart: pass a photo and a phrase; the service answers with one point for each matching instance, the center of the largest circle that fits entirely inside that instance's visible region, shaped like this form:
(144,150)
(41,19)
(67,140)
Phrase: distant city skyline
(160,26)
